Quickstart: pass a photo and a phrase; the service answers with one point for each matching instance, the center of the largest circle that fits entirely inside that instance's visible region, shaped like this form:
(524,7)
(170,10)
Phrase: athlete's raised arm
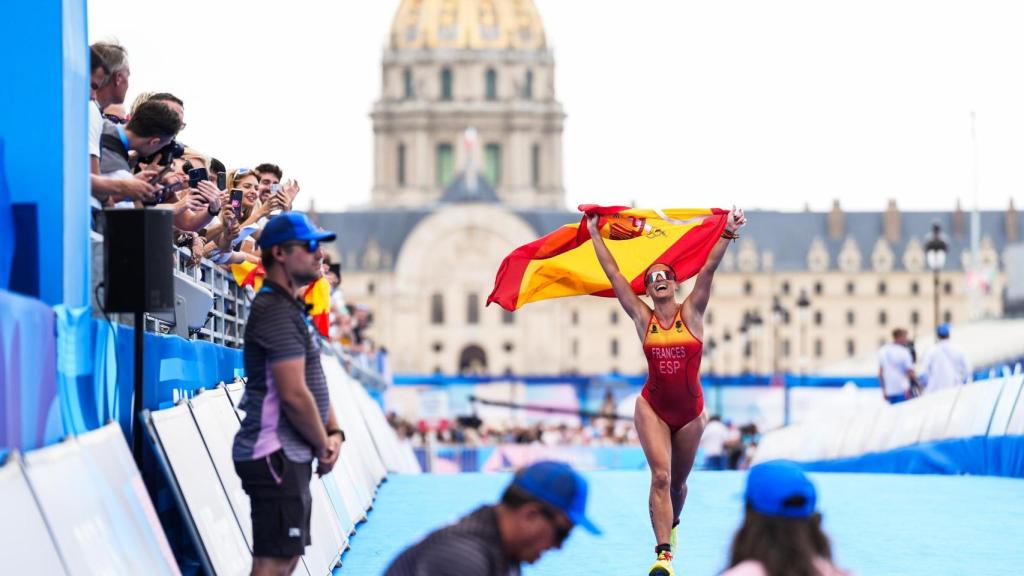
(630,302)
(698,298)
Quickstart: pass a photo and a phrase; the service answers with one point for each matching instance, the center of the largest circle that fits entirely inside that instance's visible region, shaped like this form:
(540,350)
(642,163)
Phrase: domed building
(453,65)
(468,166)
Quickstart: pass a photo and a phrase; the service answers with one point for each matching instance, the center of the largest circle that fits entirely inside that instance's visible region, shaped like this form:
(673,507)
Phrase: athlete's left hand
(737,220)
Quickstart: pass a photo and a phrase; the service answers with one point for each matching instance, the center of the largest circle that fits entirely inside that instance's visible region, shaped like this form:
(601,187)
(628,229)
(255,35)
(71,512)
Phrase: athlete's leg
(656,440)
(684,450)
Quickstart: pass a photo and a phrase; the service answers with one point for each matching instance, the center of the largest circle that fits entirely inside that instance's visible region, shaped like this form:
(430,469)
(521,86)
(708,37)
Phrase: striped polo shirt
(277,330)
(470,546)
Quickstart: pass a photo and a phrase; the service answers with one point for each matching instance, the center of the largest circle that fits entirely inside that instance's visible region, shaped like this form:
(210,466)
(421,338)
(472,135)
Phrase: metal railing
(225,322)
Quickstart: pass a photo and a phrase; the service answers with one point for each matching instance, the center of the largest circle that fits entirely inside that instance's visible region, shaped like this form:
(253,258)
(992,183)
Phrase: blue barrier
(978,455)
(30,414)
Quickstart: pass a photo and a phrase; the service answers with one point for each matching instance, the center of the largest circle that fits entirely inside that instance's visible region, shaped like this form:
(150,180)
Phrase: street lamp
(935,256)
(803,303)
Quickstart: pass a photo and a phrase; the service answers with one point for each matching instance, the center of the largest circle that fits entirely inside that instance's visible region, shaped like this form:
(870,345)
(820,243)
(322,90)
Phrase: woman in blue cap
(781,533)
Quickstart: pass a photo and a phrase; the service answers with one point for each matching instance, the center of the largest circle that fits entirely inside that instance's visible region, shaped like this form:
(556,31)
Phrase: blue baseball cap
(559,486)
(780,488)
(942,331)
(288,226)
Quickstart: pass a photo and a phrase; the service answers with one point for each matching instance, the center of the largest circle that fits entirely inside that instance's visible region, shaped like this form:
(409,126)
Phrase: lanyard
(124,137)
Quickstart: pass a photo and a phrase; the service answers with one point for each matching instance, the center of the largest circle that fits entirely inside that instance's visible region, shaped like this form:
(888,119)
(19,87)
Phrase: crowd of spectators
(472,431)
(137,160)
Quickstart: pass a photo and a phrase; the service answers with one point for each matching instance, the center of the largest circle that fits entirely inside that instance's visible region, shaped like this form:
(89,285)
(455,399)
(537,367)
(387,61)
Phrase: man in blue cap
(536,513)
(945,366)
(288,416)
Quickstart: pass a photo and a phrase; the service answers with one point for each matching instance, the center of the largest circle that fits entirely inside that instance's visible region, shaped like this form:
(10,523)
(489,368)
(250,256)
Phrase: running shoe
(663,567)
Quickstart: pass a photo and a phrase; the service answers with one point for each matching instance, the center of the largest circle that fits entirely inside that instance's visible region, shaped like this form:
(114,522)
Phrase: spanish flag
(564,263)
(318,298)
(249,274)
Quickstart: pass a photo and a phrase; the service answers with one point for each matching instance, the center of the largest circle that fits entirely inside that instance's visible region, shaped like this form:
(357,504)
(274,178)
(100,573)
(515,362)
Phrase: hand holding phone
(197,175)
(236,202)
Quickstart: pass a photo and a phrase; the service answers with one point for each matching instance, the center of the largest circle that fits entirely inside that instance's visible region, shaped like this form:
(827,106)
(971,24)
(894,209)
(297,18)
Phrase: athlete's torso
(673,371)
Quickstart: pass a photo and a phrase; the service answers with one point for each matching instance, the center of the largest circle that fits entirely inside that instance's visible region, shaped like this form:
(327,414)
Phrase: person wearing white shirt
(945,366)
(896,369)
(712,443)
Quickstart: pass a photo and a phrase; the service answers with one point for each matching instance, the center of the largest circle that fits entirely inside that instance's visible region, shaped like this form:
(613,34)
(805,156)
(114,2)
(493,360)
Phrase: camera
(168,153)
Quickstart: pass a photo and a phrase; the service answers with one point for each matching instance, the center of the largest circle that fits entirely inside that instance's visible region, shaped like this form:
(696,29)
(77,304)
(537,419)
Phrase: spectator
(289,418)
(538,510)
(217,167)
(172,102)
(109,83)
(269,176)
(945,366)
(781,533)
(712,443)
(152,127)
(112,58)
(896,369)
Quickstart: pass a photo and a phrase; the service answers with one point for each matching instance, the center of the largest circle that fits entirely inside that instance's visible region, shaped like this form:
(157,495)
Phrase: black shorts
(278,490)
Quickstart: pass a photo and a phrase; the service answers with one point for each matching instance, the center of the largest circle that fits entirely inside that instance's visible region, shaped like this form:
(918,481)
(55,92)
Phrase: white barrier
(1015,425)
(972,413)
(192,475)
(1008,400)
(28,547)
(992,407)
(101,518)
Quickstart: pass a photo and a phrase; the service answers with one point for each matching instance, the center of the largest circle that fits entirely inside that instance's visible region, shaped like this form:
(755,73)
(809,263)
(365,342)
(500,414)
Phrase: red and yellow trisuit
(673,371)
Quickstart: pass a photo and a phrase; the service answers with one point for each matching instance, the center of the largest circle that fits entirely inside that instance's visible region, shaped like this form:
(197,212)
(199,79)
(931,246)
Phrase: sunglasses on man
(310,245)
(561,530)
(658,276)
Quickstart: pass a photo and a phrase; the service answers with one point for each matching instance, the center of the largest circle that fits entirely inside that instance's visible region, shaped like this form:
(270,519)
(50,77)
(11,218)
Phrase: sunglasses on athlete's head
(561,530)
(310,245)
(658,276)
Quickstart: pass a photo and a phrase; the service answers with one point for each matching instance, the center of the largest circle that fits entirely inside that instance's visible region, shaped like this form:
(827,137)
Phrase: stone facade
(425,254)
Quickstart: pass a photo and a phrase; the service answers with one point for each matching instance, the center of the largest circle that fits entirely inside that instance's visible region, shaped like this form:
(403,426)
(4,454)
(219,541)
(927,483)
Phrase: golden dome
(467,24)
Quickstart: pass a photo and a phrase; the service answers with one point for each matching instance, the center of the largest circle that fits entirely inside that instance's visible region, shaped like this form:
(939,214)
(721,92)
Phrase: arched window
(446,84)
(472,309)
(491,82)
(407,90)
(445,164)
(492,164)
(437,308)
(528,85)
(535,165)
(401,165)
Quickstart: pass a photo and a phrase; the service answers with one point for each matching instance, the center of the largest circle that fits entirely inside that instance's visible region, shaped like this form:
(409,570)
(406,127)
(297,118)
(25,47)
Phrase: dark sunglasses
(561,531)
(310,245)
(659,275)
(114,119)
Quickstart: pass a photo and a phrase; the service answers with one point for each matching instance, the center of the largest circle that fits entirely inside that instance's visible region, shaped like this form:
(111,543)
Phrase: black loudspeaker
(138,264)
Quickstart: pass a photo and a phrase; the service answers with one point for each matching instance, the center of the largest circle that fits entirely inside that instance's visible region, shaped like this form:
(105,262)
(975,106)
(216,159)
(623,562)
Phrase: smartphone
(275,188)
(222,181)
(236,202)
(161,194)
(197,175)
